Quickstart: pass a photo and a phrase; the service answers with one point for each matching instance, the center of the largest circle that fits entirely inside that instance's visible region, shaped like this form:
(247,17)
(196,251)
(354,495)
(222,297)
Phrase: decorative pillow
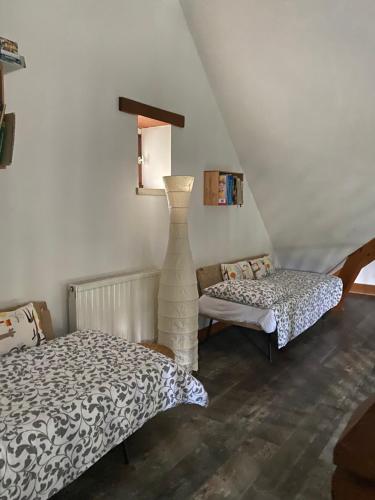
(259,269)
(237,271)
(267,261)
(262,267)
(19,329)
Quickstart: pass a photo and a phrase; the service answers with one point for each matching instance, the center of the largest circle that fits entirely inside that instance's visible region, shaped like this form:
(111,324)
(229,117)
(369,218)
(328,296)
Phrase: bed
(283,305)
(66,403)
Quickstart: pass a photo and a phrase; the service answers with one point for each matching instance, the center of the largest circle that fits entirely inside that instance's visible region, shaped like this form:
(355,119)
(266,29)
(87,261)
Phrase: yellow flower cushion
(262,267)
(237,271)
(268,264)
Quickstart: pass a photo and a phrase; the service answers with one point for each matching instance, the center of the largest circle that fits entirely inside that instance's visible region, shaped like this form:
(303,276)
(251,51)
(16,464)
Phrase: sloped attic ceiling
(295,81)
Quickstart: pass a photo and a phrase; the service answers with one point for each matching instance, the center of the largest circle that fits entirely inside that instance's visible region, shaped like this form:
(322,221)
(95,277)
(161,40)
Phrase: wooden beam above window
(138,108)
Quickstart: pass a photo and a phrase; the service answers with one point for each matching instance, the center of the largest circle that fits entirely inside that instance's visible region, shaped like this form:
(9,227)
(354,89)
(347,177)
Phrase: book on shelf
(235,189)
(239,191)
(12,60)
(230,190)
(222,198)
(2,112)
(10,55)
(8,45)
(7,130)
(2,134)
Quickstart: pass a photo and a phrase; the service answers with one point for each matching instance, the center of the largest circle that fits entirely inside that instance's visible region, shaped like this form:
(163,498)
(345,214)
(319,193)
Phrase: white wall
(68,207)
(157,157)
(295,82)
(367,275)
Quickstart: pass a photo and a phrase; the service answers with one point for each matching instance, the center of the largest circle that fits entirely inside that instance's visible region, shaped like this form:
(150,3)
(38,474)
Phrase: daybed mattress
(64,404)
(297,298)
(238,313)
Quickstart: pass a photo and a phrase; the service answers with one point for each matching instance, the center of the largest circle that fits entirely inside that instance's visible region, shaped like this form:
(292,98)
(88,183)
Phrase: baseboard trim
(363,289)
(215,328)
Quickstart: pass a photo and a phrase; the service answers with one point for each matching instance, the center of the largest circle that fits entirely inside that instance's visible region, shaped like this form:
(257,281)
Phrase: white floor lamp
(178,292)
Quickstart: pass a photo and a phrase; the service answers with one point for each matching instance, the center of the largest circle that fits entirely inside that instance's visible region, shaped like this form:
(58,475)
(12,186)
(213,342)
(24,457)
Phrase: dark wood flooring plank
(269,431)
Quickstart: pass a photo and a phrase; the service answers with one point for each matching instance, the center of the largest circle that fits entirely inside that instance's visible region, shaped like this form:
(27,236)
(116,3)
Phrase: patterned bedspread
(64,404)
(298,298)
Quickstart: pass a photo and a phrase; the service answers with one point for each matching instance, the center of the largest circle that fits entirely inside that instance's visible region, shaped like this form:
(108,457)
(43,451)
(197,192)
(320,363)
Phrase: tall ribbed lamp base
(178,292)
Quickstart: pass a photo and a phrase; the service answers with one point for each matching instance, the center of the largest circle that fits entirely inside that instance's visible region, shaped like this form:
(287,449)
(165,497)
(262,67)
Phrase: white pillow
(20,328)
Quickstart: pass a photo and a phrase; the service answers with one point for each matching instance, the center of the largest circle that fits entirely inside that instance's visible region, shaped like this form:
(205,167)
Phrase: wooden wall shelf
(9,67)
(215,188)
(9,119)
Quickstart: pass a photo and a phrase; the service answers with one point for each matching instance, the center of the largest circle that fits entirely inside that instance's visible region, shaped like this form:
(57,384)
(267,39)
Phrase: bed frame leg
(125,452)
(269,348)
(209,328)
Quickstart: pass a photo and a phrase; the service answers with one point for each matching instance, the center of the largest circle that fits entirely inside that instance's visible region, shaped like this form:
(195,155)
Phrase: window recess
(154,136)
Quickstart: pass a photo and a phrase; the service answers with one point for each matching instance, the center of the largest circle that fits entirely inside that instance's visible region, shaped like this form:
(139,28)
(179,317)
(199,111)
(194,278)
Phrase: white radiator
(125,305)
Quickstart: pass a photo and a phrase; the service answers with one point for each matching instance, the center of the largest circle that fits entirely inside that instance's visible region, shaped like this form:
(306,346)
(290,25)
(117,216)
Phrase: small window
(154,153)
(154,143)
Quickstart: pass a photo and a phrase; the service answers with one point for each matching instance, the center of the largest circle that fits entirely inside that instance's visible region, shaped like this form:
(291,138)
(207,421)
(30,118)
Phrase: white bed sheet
(239,313)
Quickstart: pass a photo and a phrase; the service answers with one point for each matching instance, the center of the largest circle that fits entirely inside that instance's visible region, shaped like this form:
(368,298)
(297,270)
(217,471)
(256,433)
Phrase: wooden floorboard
(269,430)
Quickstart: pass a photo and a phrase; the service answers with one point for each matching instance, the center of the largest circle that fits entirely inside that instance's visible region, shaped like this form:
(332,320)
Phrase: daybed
(67,402)
(282,305)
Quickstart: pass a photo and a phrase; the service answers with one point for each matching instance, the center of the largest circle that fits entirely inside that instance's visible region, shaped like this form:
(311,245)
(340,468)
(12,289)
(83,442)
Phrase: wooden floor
(269,431)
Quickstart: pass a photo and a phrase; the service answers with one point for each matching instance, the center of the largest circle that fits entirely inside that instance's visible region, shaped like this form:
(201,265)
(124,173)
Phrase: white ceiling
(295,81)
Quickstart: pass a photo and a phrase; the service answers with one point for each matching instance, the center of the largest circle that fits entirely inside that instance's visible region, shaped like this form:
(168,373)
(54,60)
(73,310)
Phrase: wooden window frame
(138,108)
(140,165)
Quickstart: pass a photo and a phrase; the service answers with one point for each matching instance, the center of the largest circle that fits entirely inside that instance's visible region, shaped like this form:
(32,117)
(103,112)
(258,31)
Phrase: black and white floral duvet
(64,404)
(297,298)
